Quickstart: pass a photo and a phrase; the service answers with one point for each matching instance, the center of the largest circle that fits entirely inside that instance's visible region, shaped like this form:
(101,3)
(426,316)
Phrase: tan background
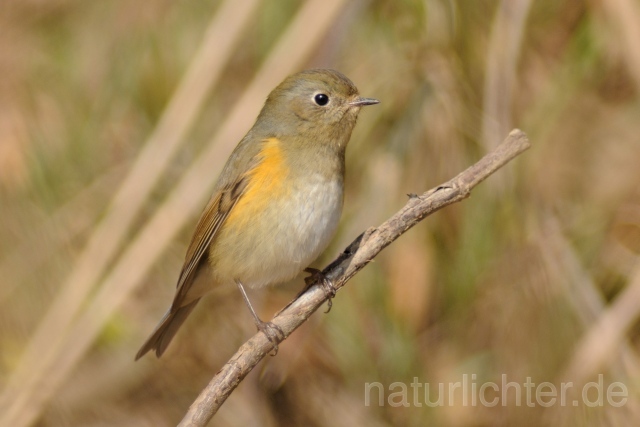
(107,107)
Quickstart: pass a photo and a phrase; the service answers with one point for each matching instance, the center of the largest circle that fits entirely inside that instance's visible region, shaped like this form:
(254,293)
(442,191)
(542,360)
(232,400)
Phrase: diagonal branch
(353,259)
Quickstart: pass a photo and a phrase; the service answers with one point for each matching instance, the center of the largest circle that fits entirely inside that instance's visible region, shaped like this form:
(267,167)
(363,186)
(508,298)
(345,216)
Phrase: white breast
(317,216)
(307,219)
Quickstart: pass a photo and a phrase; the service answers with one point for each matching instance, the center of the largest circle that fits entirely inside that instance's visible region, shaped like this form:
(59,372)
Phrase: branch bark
(353,259)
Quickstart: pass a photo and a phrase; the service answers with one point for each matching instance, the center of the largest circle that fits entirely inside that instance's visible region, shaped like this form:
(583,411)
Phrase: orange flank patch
(266,182)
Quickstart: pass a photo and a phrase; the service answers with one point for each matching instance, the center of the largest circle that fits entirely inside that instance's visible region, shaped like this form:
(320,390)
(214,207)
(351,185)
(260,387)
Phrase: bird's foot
(327,285)
(273,333)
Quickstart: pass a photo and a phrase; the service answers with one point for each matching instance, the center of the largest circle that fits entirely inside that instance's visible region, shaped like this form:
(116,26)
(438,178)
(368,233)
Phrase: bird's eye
(321,99)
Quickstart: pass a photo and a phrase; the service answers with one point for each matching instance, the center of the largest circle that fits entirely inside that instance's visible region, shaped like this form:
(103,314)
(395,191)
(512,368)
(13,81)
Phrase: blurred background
(116,117)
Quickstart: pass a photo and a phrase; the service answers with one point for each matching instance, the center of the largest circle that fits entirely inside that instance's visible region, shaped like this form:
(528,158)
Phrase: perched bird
(278,200)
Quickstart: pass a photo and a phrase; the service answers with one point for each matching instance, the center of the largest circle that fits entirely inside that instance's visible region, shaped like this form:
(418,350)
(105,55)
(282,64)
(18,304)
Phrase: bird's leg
(269,329)
(328,286)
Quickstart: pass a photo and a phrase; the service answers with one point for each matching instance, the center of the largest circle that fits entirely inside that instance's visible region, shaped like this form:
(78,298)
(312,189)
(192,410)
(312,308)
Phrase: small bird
(278,200)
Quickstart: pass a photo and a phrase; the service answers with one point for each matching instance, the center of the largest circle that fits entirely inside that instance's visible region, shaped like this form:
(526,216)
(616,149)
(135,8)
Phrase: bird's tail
(166,329)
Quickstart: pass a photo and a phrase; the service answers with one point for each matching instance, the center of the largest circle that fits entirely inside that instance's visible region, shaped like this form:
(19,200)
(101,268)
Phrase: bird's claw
(273,333)
(327,285)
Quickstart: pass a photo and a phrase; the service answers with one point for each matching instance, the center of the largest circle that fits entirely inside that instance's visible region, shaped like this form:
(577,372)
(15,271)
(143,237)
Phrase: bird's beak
(361,102)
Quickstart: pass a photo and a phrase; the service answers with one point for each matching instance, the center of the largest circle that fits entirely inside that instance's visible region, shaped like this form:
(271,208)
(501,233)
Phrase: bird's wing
(212,218)
(229,190)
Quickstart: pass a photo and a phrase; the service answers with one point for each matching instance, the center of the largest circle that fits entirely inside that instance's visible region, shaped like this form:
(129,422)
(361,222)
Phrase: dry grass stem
(30,389)
(502,62)
(603,339)
(625,17)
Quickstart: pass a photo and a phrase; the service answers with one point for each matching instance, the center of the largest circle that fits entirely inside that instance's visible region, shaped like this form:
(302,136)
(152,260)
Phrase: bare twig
(353,259)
